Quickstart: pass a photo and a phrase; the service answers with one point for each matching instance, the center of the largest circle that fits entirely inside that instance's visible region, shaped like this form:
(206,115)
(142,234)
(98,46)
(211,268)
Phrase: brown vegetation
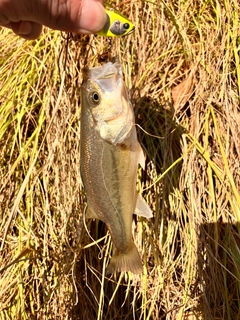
(183,73)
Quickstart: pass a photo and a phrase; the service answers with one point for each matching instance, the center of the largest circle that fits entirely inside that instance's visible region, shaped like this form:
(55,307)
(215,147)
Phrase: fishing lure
(116,25)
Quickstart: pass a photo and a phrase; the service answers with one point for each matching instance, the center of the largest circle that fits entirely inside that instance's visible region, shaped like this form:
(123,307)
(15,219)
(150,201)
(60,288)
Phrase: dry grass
(183,73)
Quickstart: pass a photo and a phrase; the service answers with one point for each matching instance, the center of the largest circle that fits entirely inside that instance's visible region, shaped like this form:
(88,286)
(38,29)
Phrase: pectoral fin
(90,213)
(142,208)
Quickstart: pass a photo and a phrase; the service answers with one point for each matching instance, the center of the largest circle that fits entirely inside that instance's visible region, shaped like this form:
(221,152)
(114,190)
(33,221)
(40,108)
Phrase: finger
(3,19)
(81,16)
(26,29)
(92,17)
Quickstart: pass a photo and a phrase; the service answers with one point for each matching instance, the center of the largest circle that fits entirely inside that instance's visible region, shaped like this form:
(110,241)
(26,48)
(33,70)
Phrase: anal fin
(142,208)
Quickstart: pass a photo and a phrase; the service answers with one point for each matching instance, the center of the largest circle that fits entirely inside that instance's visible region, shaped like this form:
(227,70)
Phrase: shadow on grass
(219,270)
(161,139)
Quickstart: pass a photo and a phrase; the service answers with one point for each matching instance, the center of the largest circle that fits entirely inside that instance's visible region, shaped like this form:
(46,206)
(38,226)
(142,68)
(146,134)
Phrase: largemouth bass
(110,153)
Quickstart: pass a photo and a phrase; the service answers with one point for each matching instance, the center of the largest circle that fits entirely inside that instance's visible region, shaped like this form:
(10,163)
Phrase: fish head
(106,97)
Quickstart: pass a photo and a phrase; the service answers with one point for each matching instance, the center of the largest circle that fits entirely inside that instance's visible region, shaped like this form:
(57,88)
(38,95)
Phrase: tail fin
(128,260)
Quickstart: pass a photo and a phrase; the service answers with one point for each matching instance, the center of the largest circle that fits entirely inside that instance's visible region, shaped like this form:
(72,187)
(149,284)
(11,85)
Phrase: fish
(110,154)
(116,25)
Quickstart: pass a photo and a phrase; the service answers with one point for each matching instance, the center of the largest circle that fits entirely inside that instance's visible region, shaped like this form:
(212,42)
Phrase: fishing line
(149,134)
(85,226)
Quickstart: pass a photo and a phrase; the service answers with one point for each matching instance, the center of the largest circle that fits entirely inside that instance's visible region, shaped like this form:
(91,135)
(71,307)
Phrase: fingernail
(93,16)
(25,28)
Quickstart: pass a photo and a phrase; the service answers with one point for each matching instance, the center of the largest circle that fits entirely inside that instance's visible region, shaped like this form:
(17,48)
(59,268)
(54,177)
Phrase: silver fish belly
(110,153)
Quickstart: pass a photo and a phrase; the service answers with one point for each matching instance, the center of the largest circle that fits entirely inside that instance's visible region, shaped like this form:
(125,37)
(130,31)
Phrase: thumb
(92,17)
(80,16)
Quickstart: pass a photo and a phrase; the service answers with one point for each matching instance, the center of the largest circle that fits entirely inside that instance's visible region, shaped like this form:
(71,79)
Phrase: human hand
(26,17)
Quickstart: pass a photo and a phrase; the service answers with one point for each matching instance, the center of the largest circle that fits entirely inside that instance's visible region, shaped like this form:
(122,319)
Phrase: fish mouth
(102,74)
(97,73)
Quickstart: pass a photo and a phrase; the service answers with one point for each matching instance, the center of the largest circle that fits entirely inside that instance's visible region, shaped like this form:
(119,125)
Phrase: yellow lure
(116,25)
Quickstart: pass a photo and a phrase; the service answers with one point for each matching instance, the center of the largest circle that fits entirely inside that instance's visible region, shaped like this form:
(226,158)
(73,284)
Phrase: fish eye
(126,26)
(94,98)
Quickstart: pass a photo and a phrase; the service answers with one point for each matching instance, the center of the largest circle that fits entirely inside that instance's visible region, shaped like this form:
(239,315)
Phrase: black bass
(110,153)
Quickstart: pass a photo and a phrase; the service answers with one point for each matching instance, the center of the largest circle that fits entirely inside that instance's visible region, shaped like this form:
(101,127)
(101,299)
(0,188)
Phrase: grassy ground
(183,73)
